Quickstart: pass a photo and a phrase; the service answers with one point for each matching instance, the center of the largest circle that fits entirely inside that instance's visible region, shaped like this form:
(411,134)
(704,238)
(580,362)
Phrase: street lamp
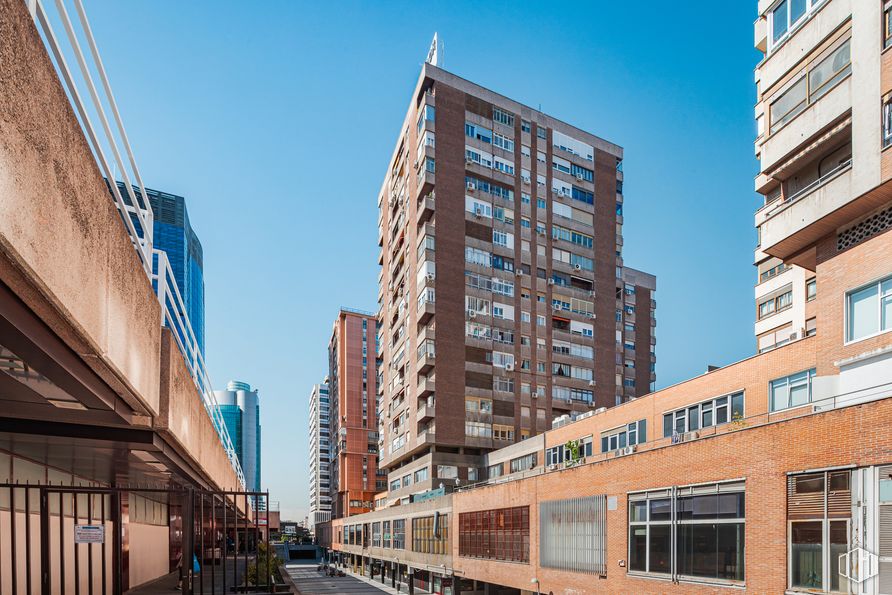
(535,581)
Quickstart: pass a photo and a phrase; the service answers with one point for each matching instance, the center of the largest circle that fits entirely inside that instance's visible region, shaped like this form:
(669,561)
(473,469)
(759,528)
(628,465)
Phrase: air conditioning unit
(518,272)
(591,383)
(592,316)
(478,213)
(552,467)
(556,307)
(468,160)
(626,450)
(541,232)
(577,267)
(579,177)
(526,181)
(472,314)
(471,187)
(551,281)
(429,276)
(509,367)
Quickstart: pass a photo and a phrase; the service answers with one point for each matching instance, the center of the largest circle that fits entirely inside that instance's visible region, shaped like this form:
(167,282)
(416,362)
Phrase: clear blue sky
(277,119)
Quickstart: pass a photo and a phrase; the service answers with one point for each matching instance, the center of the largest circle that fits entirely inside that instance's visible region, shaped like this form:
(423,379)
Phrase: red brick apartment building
(770,475)
(354,437)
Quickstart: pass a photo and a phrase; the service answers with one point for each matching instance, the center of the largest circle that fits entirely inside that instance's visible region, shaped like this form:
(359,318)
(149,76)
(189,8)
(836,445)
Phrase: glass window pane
(737,406)
(790,103)
(730,551)
(660,548)
(660,510)
(862,313)
(886,313)
(780,395)
(694,417)
(797,10)
(799,394)
(638,548)
(667,425)
(707,416)
(839,544)
(779,20)
(806,568)
(721,415)
(638,511)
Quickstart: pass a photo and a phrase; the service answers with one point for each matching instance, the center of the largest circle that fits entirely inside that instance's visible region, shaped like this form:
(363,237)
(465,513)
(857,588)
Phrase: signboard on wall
(89,533)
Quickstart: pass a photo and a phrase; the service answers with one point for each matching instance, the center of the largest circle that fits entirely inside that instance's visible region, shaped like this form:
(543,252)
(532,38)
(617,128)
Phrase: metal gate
(73,540)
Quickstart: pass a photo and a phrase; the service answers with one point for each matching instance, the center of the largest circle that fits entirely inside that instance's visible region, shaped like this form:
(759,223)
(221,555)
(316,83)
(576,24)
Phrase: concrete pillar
(411,575)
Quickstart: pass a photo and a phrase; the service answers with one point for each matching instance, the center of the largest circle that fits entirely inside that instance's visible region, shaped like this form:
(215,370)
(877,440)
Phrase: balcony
(425,356)
(786,228)
(425,209)
(426,387)
(425,311)
(426,409)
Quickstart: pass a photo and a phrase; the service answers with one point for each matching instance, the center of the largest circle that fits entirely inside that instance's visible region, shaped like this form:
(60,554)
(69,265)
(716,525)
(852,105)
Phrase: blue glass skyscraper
(174,235)
(240,406)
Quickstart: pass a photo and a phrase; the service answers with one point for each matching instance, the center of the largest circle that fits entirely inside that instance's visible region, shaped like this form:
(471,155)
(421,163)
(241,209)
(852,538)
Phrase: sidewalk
(309,581)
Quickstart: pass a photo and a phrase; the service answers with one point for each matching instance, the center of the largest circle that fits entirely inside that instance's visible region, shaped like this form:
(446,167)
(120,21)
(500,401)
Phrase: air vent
(873,225)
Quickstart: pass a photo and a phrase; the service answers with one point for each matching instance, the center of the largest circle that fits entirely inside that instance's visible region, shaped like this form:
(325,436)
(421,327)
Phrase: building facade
(772,474)
(320,454)
(352,384)
(174,235)
(240,406)
(502,296)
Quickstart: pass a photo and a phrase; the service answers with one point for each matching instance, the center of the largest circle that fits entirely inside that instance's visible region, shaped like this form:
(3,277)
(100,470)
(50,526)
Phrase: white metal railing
(173,311)
(134,209)
(133,205)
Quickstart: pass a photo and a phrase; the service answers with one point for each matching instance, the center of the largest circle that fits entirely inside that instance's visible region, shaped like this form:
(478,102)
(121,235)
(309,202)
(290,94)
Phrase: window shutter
(804,504)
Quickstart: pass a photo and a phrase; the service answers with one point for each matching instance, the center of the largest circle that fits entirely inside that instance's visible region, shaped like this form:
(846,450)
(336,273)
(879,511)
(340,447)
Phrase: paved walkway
(310,581)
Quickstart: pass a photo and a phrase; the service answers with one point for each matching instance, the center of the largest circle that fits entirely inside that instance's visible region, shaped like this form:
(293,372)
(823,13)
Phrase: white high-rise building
(320,451)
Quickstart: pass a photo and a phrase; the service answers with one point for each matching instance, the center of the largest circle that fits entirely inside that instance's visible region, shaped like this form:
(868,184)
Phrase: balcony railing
(830,175)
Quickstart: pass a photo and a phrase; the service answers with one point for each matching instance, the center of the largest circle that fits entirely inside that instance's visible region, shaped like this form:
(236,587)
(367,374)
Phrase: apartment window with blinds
(713,412)
(629,435)
(430,534)
(523,463)
(376,534)
(502,534)
(819,511)
(708,523)
(573,535)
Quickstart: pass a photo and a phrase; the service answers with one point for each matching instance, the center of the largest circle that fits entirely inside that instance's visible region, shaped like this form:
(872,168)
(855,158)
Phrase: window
(421,475)
(524,126)
(376,534)
(503,165)
(887,115)
(629,435)
(869,310)
(819,509)
(573,534)
(427,115)
(786,16)
(709,527)
(714,412)
(819,80)
(776,303)
(523,463)
(478,429)
(887,24)
(811,289)
(399,534)
(447,471)
(503,142)
(791,391)
(478,132)
(501,534)
(494,471)
(502,117)
(430,534)
(582,195)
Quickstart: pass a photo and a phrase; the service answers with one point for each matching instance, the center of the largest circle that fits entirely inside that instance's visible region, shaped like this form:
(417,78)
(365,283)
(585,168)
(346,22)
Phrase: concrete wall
(184,420)
(149,553)
(63,248)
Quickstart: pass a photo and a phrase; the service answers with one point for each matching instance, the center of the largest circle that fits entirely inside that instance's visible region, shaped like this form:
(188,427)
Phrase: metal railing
(173,312)
(133,204)
(833,173)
